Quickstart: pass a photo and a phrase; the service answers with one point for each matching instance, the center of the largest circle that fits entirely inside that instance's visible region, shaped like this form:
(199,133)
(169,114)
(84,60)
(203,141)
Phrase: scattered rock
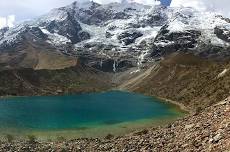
(189,126)
(217,138)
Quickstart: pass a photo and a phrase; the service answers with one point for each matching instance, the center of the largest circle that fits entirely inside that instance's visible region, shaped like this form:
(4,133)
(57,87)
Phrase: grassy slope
(188,80)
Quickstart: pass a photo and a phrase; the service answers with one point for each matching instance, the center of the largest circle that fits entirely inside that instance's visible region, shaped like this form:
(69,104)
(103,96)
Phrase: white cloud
(220,6)
(198,4)
(2,22)
(7,21)
(148,2)
(10,20)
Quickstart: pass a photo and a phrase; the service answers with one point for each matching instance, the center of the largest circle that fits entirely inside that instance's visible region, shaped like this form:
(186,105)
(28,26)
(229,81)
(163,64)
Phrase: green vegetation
(60,139)
(198,110)
(9,138)
(31,139)
(109,136)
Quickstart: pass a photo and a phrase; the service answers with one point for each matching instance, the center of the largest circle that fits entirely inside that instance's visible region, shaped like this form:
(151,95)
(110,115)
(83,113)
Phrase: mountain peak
(84,4)
(137,30)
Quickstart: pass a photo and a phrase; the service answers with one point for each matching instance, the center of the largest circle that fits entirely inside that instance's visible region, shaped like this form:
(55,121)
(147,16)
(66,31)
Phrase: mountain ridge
(133,33)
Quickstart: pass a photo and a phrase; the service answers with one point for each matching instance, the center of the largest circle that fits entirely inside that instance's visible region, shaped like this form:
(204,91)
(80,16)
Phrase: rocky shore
(208,130)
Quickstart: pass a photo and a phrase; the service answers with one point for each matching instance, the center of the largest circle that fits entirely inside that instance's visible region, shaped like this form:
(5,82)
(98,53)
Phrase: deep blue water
(79,111)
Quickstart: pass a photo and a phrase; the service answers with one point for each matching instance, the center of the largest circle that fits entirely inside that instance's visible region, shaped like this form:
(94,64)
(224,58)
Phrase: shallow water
(84,114)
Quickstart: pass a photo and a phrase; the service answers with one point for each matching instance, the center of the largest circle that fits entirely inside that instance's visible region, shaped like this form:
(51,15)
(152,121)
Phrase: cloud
(198,4)
(7,21)
(148,2)
(221,6)
(2,22)
(10,20)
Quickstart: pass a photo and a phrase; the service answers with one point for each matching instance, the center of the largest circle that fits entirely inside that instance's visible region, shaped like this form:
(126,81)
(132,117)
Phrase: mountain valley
(177,54)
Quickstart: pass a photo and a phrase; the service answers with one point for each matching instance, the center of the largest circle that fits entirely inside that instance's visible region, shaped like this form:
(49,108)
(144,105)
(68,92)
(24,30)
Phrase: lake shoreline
(165,100)
(97,132)
(60,94)
(181,106)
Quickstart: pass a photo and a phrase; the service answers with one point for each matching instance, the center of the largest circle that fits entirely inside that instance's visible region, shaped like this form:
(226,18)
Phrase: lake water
(82,112)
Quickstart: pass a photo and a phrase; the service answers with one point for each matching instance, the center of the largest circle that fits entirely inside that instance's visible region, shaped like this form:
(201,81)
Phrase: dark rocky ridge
(129,37)
(178,41)
(222,33)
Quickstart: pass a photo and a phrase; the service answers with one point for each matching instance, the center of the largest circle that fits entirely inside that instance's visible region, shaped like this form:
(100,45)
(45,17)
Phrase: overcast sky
(20,10)
(220,6)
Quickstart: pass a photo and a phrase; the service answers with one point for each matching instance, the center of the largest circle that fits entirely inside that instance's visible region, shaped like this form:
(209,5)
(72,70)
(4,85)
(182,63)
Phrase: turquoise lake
(79,112)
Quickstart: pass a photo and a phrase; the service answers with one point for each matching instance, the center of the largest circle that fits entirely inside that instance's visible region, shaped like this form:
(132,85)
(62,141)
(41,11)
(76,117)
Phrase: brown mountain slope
(40,69)
(187,79)
(75,79)
(35,56)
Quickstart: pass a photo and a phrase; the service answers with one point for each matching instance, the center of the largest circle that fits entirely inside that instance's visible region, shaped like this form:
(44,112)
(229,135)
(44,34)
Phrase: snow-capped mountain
(121,34)
(202,33)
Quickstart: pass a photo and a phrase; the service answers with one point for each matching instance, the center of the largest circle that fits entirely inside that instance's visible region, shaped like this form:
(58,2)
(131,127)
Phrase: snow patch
(222,73)
(55,38)
(136,71)
(149,33)
(164,43)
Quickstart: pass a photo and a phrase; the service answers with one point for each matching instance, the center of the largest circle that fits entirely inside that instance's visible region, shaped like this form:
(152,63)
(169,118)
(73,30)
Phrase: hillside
(29,82)
(193,81)
(35,56)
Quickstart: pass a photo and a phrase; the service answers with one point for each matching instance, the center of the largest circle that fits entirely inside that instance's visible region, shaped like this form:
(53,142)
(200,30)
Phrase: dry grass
(188,80)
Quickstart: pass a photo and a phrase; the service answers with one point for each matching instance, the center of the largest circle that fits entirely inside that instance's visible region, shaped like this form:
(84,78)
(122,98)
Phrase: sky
(220,6)
(12,11)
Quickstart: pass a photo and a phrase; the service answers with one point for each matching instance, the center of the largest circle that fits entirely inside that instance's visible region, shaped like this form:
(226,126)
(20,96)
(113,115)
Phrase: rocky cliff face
(167,42)
(223,33)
